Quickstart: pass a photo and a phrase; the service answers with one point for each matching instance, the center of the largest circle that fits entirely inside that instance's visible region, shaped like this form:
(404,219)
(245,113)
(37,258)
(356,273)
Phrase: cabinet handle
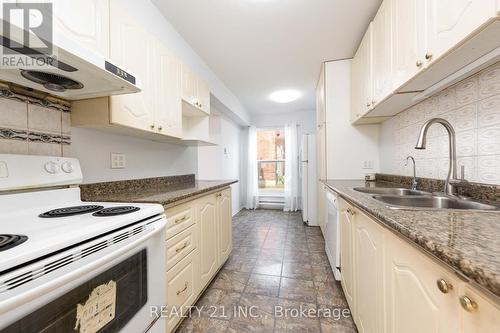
(184,289)
(428,56)
(179,220)
(368,104)
(182,247)
(160,128)
(152,126)
(468,304)
(419,63)
(350,211)
(443,286)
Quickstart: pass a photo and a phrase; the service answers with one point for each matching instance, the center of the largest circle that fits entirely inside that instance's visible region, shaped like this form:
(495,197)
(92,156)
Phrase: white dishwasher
(332,234)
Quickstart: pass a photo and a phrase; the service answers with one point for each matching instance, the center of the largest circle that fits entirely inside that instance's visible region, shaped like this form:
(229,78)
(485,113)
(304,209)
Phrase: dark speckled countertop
(166,191)
(469,242)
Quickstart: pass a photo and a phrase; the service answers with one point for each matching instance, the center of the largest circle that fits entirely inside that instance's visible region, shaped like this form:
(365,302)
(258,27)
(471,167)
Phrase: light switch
(4,171)
(118,161)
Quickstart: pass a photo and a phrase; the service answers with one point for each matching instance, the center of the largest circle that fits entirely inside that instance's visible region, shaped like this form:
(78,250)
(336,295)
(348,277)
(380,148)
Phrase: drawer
(181,287)
(180,218)
(178,246)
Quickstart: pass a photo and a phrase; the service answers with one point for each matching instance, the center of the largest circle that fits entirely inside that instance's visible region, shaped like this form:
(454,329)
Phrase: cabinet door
(84,21)
(414,302)
(369,274)
(451,21)
(134,49)
(382,52)
(168,116)
(203,95)
(485,318)
(207,220)
(408,39)
(321,153)
(347,255)
(320,98)
(225,233)
(322,207)
(189,85)
(362,78)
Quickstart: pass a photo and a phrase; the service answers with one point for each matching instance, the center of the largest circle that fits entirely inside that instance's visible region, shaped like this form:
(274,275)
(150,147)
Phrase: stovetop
(48,221)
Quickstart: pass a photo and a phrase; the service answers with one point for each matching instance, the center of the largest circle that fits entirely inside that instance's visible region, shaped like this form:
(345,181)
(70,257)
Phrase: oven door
(107,285)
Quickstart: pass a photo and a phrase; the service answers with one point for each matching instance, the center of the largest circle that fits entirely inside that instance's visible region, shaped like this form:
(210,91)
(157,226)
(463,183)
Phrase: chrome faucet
(451,180)
(414,181)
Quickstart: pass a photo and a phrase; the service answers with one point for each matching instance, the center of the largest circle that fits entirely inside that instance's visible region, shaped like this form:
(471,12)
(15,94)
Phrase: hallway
(277,279)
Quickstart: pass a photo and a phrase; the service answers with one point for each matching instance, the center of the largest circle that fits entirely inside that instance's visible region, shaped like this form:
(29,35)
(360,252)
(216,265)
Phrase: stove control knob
(52,167)
(67,167)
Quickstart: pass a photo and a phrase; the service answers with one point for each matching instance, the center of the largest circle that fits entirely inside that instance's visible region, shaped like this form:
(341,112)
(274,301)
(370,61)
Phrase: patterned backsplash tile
(34,126)
(472,106)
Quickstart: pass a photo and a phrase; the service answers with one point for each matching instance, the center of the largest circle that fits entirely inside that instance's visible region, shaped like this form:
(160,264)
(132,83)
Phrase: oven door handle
(13,302)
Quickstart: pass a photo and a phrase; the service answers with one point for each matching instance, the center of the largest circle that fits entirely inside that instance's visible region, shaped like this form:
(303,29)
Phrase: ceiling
(259,46)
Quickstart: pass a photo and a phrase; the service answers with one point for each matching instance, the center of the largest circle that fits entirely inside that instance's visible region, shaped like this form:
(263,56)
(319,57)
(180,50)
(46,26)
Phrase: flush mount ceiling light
(285,96)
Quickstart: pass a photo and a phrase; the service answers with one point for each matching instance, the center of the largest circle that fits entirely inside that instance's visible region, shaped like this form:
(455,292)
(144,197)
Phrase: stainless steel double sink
(403,198)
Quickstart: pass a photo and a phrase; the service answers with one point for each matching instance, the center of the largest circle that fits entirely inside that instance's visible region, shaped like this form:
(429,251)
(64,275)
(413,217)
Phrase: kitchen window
(271,160)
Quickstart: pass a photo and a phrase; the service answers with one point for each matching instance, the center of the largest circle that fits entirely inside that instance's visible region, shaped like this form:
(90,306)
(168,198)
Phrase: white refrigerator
(309,179)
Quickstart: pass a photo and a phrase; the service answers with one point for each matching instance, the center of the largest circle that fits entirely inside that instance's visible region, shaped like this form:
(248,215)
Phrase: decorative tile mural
(33,126)
(472,106)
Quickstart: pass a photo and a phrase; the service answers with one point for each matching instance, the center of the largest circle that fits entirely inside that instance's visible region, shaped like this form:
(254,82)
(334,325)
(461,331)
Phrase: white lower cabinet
(347,254)
(369,262)
(198,242)
(414,301)
(485,318)
(207,214)
(392,286)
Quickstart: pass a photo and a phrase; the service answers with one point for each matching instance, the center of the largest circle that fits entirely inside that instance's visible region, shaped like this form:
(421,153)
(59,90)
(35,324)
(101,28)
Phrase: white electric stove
(73,266)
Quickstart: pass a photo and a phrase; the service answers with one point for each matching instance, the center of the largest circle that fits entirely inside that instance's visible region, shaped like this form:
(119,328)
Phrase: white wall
(223,161)
(348,146)
(144,158)
(306,120)
(472,106)
(153,21)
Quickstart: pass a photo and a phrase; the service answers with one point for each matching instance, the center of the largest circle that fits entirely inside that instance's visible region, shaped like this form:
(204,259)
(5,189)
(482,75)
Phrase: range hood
(69,71)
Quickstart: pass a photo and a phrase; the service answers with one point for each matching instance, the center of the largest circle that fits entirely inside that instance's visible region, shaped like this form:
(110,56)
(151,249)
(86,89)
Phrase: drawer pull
(184,289)
(182,247)
(444,286)
(468,304)
(179,220)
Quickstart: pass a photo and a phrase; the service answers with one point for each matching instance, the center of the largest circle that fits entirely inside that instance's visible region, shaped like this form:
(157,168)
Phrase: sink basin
(390,191)
(432,202)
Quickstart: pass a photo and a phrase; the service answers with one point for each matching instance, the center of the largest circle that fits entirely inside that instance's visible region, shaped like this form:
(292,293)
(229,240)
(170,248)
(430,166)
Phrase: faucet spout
(451,179)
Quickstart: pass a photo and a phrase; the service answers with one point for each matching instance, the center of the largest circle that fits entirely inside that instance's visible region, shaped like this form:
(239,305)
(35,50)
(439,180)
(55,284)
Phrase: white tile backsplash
(472,106)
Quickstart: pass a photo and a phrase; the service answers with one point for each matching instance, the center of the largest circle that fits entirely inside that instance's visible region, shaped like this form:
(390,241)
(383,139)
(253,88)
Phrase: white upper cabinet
(382,53)
(84,21)
(408,35)
(203,95)
(168,116)
(450,21)
(134,49)
(195,92)
(320,98)
(362,78)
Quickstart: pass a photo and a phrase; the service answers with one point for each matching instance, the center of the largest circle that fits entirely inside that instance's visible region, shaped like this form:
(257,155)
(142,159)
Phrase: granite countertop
(166,191)
(469,242)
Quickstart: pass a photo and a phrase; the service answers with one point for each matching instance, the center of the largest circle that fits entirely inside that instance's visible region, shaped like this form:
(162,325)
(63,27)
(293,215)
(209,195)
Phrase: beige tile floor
(278,267)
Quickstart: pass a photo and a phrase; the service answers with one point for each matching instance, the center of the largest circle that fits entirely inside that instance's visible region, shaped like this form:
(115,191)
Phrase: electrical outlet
(118,161)
(368,164)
